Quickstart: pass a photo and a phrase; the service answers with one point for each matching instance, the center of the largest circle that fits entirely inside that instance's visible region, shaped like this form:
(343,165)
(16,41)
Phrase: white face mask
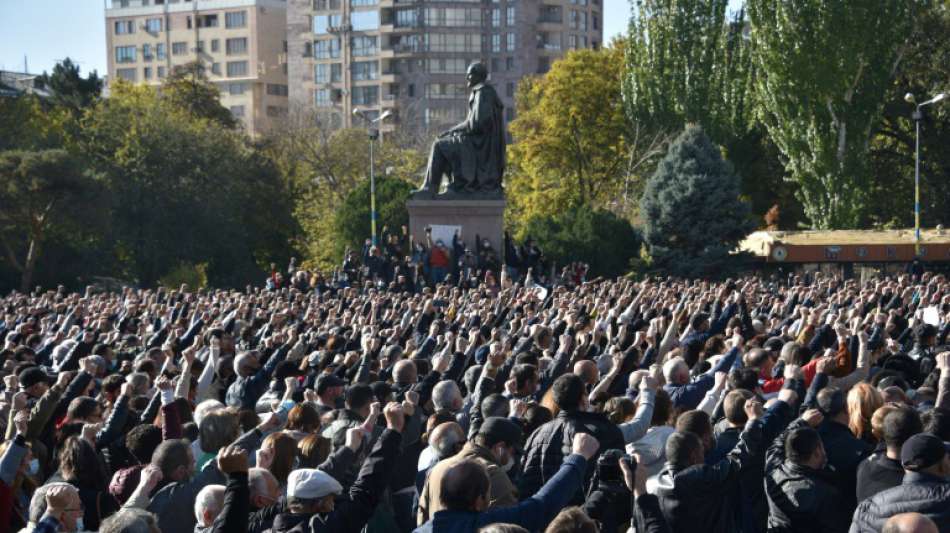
(79,525)
(509,465)
(34,468)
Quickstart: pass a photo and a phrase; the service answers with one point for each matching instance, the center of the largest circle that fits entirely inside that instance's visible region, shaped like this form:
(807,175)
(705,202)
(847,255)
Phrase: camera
(608,466)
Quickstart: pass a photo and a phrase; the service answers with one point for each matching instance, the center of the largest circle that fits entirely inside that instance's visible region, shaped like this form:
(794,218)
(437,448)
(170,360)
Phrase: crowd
(812,404)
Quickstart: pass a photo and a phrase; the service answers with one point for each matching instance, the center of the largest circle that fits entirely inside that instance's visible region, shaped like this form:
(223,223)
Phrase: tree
(69,90)
(37,190)
(822,69)
(187,87)
(572,143)
(351,221)
(693,217)
(597,237)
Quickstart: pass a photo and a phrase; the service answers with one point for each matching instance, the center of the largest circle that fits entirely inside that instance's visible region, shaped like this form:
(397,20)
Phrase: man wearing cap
(314,498)
(925,489)
(494,446)
(329,388)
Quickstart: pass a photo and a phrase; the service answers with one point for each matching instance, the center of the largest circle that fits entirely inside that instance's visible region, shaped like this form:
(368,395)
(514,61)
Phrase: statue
(473,152)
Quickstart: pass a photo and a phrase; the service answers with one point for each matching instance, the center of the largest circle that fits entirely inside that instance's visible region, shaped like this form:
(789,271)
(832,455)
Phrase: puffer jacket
(801,499)
(551,443)
(919,493)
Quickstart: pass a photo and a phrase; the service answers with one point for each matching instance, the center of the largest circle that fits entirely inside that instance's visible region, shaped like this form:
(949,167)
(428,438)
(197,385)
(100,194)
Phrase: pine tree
(693,217)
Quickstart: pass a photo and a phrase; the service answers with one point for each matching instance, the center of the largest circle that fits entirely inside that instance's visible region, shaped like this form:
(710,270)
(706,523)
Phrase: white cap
(310,484)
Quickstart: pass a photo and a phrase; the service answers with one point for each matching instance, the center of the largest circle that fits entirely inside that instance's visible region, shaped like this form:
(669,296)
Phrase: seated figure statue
(472,153)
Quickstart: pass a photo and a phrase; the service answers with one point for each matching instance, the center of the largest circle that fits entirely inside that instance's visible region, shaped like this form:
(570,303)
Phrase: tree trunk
(28,266)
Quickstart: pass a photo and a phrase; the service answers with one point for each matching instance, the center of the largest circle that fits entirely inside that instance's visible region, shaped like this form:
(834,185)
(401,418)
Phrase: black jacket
(876,473)
(234,515)
(704,497)
(551,443)
(246,390)
(353,512)
(845,453)
(801,499)
(919,493)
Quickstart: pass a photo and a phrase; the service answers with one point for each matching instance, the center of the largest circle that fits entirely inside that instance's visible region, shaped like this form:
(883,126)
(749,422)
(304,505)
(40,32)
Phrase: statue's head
(477,73)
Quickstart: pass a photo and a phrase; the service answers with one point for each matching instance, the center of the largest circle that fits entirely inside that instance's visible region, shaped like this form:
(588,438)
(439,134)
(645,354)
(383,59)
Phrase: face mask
(79,525)
(34,467)
(509,465)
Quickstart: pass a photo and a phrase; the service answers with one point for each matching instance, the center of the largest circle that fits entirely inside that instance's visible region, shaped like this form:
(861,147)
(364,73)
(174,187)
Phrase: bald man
(587,370)
(909,523)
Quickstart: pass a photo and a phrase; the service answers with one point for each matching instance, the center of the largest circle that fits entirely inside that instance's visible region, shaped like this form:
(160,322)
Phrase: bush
(195,276)
(693,217)
(599,238)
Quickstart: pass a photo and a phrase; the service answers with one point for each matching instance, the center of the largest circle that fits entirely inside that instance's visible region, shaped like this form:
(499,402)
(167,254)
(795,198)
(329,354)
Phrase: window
(445,90)
(453,42)
(147,73)
(237,111)
(323,23)
(146,52)
(215,45)
(453,17)
(578,20)
(407,18)
(235,89)
(509,114)
(274,89)
(321,98)
(124,27)
(510,89)
(324,5)
(216,69)
(161,73)
(577,41)
(510,44)
(153,25)
(125,54)
(276,112)
(595,21)
(321,73)
(237,68)
(510,61)
(411,89)
(366,95)
(200,46)
(336,73)
(127,74)
(365,70)
(160,51)
(496,42)
(179,49)
(362,46)
(510,16)
(364,20)
(236,46)
(495,17)
(235,19)
(446,66)
(326,49)
(435,115)
(495,64)
(207,21)
(358,3)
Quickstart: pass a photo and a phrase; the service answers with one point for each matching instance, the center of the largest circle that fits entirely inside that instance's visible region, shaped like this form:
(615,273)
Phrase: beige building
(410,56)
(241,43)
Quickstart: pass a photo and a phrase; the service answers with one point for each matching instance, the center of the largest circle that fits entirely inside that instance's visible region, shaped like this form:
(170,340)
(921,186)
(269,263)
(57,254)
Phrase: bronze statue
(473,152)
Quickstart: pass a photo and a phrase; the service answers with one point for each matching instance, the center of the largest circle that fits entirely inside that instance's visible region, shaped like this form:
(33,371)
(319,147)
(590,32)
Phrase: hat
(124,482)
(31,376)
(311,484)
(923,450)
(381,390)
(499,429)
(774,344)
(327,381)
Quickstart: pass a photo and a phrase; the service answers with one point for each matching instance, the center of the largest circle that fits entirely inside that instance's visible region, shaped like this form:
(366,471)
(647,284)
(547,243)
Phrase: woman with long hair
(82,468)
(863,400)
(283,448)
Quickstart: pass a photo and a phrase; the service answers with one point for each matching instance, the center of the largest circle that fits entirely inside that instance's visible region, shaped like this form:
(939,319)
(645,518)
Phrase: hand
(585,445)
(9,382)
(647,382)
(87,365)
(57,499)
(813,417)
(264,457)
(788,396)
(440,364)
(943,362)
(827,365)
(150,477)
(89,432)
(636,481)
(412,397)
(354,438)
(290,383)
(395,418)
(511,386)
(496,355)
(310,395)
(863,337)
(63,380)
(126,390)
(753,409)
(22,422)
(269,423)
(720,380)
(232,459)
(163,383)
(793,372)
(517,408)
(19,401)
(566,343)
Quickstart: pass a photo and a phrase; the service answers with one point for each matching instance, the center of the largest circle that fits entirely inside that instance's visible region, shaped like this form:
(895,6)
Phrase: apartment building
(241,44)
(410,56)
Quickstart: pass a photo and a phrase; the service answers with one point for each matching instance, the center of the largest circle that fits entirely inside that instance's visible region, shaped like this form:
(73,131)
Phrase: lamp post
(918,115)
(373,132)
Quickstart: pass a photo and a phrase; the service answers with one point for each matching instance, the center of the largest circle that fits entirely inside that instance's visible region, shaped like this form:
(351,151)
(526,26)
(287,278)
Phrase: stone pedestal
(484,217)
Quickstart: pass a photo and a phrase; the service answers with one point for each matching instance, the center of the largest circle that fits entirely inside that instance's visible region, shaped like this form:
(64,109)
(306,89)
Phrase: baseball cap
(923,450)
(31,376)
(311,484)
(327,381)
(500,429)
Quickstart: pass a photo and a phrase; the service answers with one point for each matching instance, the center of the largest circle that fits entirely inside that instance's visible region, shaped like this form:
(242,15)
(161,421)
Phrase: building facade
(240,43)
(410,56)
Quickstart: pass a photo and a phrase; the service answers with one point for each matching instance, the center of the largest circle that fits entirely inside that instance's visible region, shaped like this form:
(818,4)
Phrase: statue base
(473,216)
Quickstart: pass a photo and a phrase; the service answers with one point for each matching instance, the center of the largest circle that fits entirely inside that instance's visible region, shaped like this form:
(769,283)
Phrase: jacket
(689,395)
(919,493)
(845,453)
(246,390)
(801,499)
(704,497)
(234,514)
(876,473)
(171,502)
(551,443)
(502,493)
(351,514)
(533,514)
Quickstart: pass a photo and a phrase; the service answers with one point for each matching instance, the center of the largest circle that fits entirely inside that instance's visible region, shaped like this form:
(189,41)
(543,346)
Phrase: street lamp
(918,116)
(373,135)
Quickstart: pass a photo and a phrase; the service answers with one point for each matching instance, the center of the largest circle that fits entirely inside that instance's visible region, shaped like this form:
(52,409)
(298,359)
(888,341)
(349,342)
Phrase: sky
(46,31)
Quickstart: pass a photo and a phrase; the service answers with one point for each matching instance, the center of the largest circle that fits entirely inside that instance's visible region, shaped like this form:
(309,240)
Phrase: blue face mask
(34,468)
(79,525)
